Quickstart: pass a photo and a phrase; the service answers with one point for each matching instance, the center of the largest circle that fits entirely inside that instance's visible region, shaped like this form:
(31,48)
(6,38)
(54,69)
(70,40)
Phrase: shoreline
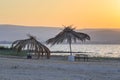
(65,58)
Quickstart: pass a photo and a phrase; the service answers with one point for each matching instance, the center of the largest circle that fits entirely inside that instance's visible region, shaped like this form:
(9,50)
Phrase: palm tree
(32,45)
(69,35)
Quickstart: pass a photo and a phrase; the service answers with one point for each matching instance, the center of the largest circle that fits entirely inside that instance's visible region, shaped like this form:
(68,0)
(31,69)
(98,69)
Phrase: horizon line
(36,26)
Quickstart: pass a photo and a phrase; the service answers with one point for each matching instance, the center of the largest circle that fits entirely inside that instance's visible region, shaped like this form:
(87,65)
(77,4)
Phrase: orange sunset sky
(55,13)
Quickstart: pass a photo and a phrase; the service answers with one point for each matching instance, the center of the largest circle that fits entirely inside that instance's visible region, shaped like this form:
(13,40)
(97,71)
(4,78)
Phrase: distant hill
(15,32)
(10,33)
(103,36)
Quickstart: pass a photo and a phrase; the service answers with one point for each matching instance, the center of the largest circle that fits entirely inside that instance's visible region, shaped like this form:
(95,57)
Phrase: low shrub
(4,48)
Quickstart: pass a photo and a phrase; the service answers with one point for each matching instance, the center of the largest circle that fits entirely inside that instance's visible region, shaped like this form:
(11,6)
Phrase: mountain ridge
(16,32)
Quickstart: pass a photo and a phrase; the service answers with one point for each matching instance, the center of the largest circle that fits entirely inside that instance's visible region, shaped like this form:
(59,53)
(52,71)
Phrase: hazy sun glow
(81,13)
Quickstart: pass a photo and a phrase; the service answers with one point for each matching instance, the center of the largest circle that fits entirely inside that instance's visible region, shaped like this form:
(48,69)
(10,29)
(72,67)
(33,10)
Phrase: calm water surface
(102,50)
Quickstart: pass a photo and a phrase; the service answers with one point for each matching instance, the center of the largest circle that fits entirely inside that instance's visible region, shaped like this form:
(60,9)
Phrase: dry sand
(25,69)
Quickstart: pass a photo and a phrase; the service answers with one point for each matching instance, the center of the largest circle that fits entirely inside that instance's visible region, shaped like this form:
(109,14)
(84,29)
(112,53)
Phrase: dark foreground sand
(24,69)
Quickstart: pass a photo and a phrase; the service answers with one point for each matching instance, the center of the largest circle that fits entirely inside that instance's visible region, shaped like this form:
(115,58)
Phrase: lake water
(102,50)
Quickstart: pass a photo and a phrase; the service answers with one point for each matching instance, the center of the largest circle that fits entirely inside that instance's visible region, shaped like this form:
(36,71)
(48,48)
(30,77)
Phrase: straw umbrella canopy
(70,35)
(31,45)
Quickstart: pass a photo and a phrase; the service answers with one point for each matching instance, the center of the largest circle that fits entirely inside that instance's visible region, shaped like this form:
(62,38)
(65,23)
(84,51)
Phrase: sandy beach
(29,69)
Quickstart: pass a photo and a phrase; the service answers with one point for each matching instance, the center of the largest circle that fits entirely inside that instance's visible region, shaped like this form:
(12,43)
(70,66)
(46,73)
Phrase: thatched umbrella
(31,45)
(69,35)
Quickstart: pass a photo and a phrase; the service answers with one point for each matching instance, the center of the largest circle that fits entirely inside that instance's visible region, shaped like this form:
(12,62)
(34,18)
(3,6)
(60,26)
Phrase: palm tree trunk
(70,48)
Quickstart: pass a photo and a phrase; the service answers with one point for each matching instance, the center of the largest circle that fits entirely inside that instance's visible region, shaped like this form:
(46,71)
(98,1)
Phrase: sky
(55,13)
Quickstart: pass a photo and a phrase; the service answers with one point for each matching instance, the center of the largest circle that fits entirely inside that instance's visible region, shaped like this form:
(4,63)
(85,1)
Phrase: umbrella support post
(71,58)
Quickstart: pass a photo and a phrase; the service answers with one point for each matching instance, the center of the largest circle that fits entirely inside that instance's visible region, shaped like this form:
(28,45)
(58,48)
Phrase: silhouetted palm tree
(32,45)
(69,35)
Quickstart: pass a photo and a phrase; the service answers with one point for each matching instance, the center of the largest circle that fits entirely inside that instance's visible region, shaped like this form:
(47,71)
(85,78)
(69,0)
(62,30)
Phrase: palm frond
(31,44)
(69,35)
